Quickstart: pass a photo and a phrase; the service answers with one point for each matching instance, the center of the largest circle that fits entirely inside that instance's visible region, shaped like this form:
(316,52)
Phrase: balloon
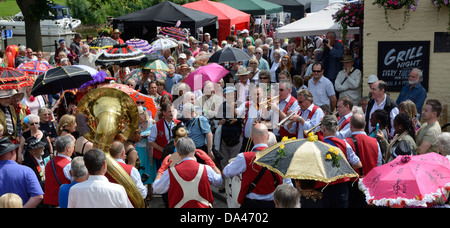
(10,58)
(14,49)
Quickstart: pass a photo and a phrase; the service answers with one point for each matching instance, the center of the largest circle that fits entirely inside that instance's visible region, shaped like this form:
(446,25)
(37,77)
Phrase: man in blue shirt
(413,91)
(199,129)
(79,173)
(172,78)
(18,179)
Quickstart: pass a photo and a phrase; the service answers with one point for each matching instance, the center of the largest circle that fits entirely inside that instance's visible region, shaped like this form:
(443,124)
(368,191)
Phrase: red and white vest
(161,138)
(189,186)
(265,186)
(51,196)
(283,131)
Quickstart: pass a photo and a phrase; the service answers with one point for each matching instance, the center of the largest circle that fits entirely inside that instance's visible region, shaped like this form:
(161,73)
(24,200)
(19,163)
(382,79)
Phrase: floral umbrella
(135,95)
(11,78)
(408,181)
(163,43)
(306,159)
(35,67)
(156,65)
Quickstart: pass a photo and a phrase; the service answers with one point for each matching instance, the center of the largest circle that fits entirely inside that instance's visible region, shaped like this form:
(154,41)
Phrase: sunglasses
(36,123)
(317,71)
(140,102)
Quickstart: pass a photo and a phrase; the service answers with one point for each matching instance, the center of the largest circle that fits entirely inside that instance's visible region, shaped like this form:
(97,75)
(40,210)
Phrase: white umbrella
(318,23)
(164,43)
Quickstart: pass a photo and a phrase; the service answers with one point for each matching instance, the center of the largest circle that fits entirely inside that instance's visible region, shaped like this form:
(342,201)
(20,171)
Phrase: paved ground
(219,200)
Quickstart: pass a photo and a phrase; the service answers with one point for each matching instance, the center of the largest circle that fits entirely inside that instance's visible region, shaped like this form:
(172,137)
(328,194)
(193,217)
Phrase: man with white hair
(21,58)
(444,143)
(414,90)
(262,63)
(87,58)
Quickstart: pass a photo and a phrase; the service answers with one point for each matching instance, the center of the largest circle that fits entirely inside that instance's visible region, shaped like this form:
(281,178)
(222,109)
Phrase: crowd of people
(199,138)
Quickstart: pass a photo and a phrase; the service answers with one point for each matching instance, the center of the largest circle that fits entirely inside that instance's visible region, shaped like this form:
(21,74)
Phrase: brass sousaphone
(106,114)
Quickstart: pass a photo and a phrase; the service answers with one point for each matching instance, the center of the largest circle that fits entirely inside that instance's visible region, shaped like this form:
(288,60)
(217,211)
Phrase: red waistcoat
(127,169)
(161,139)
(283,131)
(188,170)
(266,184)
(368,152)
(51,185)
(341,144)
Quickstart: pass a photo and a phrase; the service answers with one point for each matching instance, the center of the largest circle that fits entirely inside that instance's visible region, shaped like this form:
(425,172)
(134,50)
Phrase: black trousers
(251,203)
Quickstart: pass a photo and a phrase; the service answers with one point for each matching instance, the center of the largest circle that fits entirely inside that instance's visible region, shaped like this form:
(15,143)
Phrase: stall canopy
(166,14)
(314,24)
(296,8)
(227,16)
(254,7)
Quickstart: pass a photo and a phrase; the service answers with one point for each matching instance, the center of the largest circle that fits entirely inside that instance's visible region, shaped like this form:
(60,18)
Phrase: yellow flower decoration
(312,137)
(293,138)
(281,146)
(284,138)
(332,154)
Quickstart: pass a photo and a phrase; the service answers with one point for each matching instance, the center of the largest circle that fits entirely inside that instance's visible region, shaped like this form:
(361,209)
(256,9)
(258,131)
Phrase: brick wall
(421,26)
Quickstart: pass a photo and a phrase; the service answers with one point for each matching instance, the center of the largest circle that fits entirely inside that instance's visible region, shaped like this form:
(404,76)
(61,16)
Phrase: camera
(325,41)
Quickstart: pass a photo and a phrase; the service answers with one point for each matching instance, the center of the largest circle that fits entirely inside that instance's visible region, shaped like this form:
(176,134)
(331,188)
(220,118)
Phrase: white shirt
(98,192)
(376,106)
(309,123)
(253,114)
(281,106)
(88,60)
(243,91)
(345,132)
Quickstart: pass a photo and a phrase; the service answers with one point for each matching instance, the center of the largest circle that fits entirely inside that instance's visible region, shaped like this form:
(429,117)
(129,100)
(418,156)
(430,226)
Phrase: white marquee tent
(318,23)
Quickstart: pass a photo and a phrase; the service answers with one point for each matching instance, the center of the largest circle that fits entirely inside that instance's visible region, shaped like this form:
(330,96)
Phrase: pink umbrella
(408,181)
(212,72)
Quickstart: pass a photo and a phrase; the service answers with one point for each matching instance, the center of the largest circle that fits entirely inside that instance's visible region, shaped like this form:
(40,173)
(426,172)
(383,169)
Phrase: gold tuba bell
(106,114)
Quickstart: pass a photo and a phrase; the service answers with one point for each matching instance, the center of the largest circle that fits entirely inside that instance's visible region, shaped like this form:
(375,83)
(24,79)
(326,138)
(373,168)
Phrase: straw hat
(242,71)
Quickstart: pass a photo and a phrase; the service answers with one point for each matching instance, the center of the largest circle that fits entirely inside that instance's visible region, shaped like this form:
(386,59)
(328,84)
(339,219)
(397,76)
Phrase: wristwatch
(299,118)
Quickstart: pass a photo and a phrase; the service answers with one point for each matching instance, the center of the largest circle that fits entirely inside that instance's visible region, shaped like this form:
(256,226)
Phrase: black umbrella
(59,79)
(103,43)
(228,54)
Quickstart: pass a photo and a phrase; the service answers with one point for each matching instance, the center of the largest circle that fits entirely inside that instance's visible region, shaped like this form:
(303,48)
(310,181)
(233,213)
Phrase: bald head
(357,122)
(260,133)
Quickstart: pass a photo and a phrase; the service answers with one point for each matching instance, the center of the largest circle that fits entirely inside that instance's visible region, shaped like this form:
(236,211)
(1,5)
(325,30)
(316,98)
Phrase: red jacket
(51,185)
(187,170)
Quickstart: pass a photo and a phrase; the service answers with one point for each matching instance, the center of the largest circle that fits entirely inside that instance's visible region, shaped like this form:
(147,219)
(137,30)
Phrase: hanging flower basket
(407,5)
(441,3)
(351,15)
